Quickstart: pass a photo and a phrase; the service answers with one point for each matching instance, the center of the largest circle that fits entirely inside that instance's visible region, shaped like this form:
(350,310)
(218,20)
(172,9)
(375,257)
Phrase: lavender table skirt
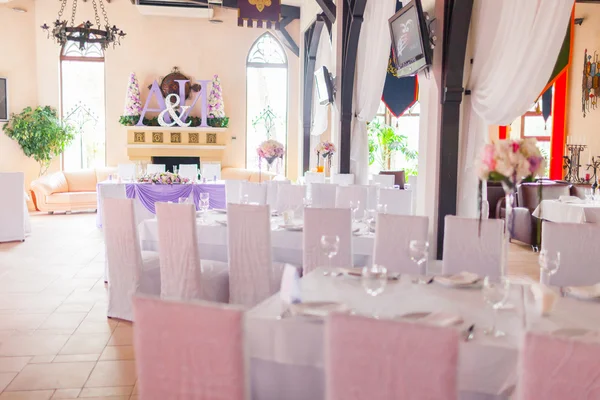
(148,194)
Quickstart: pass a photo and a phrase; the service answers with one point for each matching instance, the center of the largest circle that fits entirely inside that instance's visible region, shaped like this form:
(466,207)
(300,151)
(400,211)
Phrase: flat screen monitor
(410,39)
(324,85)
(3,100)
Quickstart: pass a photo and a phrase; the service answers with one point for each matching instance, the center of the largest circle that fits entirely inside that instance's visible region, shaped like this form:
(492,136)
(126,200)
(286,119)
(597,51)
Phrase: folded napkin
(442,319)
(317,308)
(569,199)
(544,297)
(461,279)
(583,292)
(290,285)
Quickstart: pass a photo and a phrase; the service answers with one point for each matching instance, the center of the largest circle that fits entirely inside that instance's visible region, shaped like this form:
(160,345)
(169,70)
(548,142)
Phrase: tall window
(83,104)
(533,125)
(266,96)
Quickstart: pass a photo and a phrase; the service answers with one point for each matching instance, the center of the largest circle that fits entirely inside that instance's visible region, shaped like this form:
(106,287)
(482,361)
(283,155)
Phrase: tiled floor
(55,339)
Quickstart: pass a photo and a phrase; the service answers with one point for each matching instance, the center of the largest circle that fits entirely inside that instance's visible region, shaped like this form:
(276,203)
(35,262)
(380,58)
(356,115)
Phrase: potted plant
(384,142)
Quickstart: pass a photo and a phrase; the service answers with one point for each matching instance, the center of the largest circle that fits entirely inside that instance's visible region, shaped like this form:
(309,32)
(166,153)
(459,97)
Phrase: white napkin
(569,199)
(443,319)
(290,292)
(584,292)
(545,298)
(461,279)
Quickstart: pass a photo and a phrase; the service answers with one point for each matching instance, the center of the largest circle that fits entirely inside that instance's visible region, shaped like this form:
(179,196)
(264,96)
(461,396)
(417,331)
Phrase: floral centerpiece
(326,150)
(269,150)
(510,162)
(133,103)
(216,106)
(163,178)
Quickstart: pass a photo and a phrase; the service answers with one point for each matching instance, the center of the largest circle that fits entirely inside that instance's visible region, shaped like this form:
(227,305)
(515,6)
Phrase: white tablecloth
(556,211)
(290,351)
(287,245)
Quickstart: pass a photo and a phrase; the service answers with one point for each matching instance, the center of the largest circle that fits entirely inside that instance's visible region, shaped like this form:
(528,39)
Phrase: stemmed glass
(245,199)
(307,201)
(354,207)
(419,252)
(382,208)
(549,264)
(330,244)
(495,295)
(588,195)
(374,281)
(204,204)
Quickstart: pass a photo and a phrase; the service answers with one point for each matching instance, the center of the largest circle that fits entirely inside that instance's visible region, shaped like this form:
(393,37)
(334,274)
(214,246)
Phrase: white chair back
(342,179)
(323,195)
(126,172)
(351,194)
(398,201)
(273,189)
(579,252)
(12,210)
(155,168)
(412,180)
(291,197)
(314,177)
(392,239)
(384,181)
(372,197)
(189,171)
(233,190)
(256,192)
(251,277)
(326,221)
(211,170)
(466,250)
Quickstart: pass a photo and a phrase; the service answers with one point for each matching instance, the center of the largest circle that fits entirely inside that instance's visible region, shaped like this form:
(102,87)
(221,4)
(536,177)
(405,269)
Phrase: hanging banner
(267,12)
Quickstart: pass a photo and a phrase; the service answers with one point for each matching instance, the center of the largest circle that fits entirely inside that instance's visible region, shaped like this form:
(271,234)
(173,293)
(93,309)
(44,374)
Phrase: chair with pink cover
(252,275)
(558,368)
(326,221)
(183,275)
(129,269)
(372,359)
(393,234)
(189,350)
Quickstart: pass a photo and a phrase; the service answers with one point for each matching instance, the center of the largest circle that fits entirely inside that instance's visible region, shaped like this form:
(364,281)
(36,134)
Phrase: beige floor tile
(28,395)
(92,343)
(134,397)
(74,308)
(63,321)
(136,388)
(13,364)
(122,336)
(52,376)
(32,345)
(76,358)
(106,326)
(106,391)
(22,321)
(6,378)
(112,373)
(108,398)
(117,353)
(42,359)
(66,394)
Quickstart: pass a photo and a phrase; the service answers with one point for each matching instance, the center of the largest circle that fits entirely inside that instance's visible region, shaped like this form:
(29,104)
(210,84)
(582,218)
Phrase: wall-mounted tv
(3,100)
(410,39)
(324,83)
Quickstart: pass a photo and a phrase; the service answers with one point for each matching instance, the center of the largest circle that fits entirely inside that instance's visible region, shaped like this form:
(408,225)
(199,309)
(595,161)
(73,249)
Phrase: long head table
(289,351)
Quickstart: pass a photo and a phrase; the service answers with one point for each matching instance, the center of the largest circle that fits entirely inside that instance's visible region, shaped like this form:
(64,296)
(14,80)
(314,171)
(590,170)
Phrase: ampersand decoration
(171,108)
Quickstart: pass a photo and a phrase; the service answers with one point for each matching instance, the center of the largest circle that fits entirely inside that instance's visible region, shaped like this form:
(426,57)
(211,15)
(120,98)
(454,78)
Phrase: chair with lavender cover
(323,194)
(326,221)
(129,269)
(189,350)
(351,194)
(392,239)
(579,252)
(558,368)
(252,275)
(466,250)
(183,275)
(256,192)
(375,359)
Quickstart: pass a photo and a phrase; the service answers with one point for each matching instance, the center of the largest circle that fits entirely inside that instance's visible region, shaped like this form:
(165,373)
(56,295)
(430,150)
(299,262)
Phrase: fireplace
(170,162)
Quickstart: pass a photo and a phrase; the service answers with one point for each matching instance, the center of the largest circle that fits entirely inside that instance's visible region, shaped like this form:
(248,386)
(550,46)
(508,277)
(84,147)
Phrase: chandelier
(86,32)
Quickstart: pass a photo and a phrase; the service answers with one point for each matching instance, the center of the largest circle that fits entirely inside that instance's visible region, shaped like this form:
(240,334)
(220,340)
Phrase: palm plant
(384,142)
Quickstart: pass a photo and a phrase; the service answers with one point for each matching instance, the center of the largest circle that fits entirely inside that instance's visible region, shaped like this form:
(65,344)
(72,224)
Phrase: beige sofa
(241,174)
(69,191)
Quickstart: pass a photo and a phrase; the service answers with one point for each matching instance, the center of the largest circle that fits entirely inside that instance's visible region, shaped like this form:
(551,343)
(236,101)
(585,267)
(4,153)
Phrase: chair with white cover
(384,181)
(189,171)
(254,192)
(579,252)
(273,189)
(233,190)
(126,171)
(466,250)
(342,179)
(558,368)
(129,269)
(155,168)
(12,211)
(367,358)
(393,235)
(323,194)
(314,177)
(252,275)
(398,201)
(183,275)
(351,194)
(211,170)
(413,180)
(189,350)
(291,197)
(331,222)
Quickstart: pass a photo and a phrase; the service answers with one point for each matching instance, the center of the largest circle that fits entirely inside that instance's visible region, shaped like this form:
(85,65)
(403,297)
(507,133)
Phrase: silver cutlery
(469,333)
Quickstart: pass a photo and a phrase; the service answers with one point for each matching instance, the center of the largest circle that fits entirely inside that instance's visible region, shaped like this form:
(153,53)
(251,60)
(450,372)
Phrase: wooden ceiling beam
(329,9)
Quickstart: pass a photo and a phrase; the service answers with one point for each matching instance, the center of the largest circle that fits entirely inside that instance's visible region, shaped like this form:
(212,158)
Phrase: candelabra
(595,164)
(572,163)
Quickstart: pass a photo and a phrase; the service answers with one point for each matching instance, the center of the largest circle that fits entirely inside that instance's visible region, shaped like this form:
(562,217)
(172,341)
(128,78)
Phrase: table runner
(149,194)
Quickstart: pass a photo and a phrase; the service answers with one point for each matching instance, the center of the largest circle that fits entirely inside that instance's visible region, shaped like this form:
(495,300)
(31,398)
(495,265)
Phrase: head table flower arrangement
(326,150)
(163,178)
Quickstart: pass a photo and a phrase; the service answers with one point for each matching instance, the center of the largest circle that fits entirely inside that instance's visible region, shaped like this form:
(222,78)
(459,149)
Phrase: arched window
(83,104)
(266,96)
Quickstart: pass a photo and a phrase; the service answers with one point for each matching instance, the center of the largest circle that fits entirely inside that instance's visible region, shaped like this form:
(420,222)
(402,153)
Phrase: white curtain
(371,69)
(514,44)
(324,58)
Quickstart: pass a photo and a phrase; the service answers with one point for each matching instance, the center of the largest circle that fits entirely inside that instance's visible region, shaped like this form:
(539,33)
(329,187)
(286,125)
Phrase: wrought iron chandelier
(86,32)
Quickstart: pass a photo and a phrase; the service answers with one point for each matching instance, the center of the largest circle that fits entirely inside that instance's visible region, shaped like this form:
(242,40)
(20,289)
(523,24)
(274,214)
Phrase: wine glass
(184,200)
(549,264)
(245,199)
(419,252)
(495,295)
(382,208)
(407,186)
(330,244)
(588,195)
(354,207)
(205,197)
(307,201)
(374,279)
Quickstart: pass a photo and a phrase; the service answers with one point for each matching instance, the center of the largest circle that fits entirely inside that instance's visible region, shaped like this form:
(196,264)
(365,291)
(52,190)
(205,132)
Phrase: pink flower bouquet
(270,150)
(325,149)
(163,178)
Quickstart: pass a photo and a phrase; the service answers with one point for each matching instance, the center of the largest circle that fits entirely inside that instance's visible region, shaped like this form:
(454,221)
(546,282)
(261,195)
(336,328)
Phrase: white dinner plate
(221,222)
(463,280)
(317,308)
(292,227)
(220,210)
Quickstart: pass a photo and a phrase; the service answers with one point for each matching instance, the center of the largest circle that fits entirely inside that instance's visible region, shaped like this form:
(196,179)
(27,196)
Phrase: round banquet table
(557,211)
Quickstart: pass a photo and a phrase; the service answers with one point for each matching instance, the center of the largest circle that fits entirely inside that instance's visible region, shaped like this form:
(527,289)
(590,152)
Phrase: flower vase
(270,161)
(509,221)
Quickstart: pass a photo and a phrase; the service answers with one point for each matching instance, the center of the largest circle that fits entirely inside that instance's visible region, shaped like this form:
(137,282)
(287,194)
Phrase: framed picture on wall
(3,99)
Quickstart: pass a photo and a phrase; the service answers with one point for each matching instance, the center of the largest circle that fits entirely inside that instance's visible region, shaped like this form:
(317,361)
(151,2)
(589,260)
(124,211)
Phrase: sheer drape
(514,45)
